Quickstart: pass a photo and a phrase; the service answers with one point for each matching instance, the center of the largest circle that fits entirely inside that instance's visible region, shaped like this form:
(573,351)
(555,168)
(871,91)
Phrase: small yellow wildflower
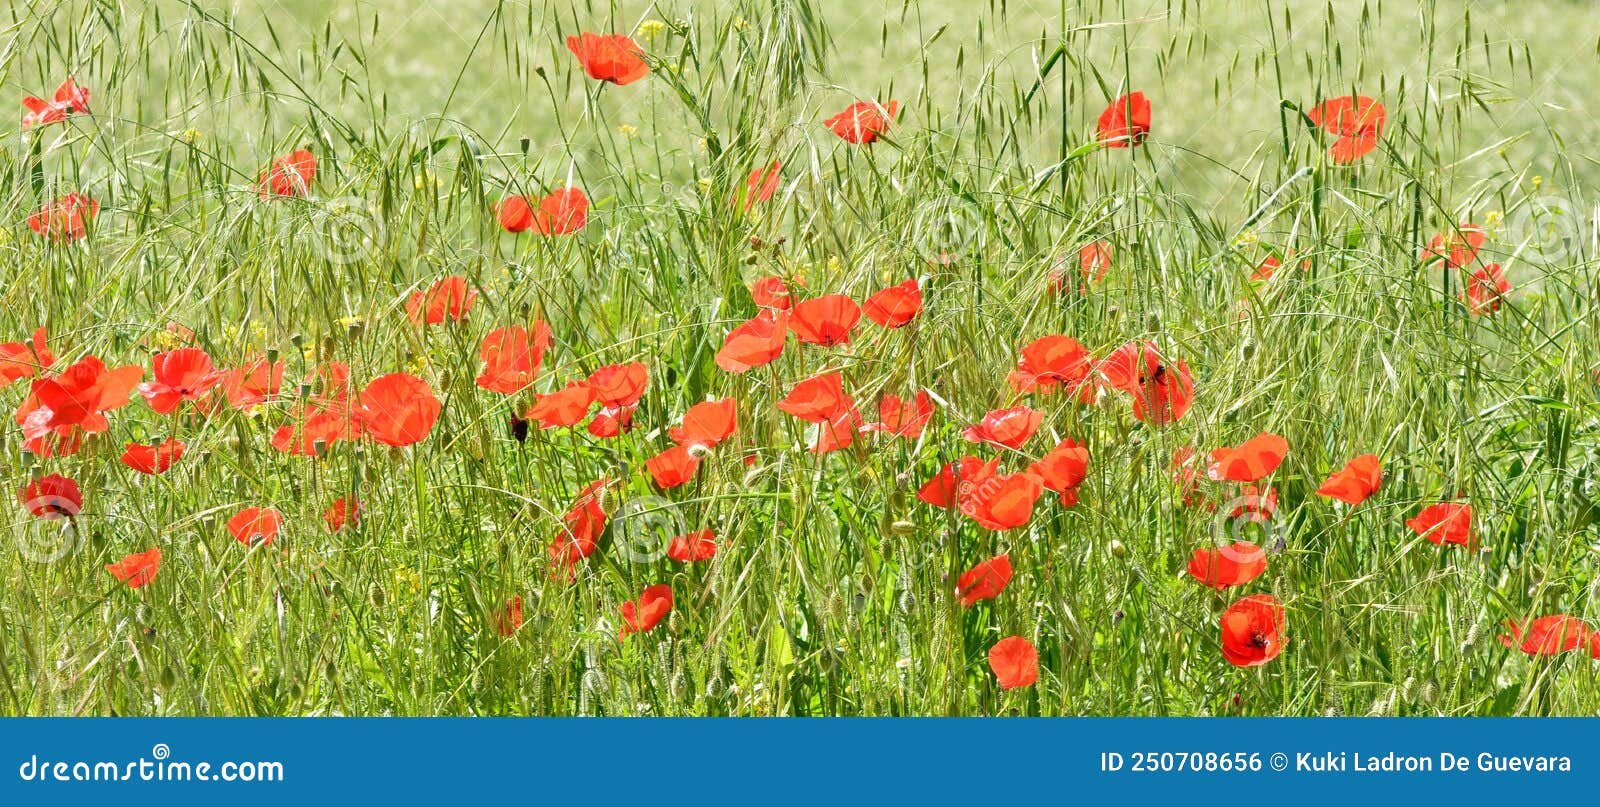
(1538,182)
(627,131)
(705,184)
(1247,237)
(650,29)
(190,135)
(1493,218)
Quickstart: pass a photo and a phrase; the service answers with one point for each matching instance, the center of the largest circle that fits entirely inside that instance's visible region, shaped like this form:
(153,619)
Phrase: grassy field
(835,589)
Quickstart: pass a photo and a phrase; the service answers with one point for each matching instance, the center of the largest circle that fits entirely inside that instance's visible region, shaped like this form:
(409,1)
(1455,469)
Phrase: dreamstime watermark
(157,767)
(345,230)
(1549,229)
(49,530)
(643,528)
(946,228)
(1250,518)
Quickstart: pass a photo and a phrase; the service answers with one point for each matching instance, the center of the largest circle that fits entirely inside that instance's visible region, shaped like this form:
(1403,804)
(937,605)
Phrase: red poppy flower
(672,467)
(652,606)
(253,383)
(1049,363)
(612,421)
(317,429)
(509,619)
(1445,523)
(398,409)
(619,384)
(863,121)
(1000,501)
(511,359)
(1252,631)
(1064,469)
(943,489)
(1550,635)
(825,320)
(838,431)
(609,57)
(19,361)
(154,459)
(1010,428)
(1094,260)
(1126,122)
(1356,120)
(137,569)
(770,292)
(1486,288)
(565,407)
(763,182)
(817,399)
(52,497)
(342,513)
(695,546)
(1269,266)
(895,306)
(289,176)
(1161,392)
(901,418)
(1232,565)
(515,213)
(66,218)
(563,212)
(1015,662)
(984,581)
(255,526)
(1458,248)
(186,374)
(755,343)
(81,394)
(707,423)
(1359,479)
(447,298)
(1249,461)
(70,98)
(581,527)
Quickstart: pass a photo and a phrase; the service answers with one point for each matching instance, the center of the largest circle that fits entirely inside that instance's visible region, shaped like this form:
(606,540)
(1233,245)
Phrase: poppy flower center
(1259,639)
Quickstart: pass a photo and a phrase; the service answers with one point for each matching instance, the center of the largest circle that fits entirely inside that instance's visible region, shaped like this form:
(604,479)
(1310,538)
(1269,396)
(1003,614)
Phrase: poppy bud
(519,427)
(525,142)
(902,527)
(1117,549)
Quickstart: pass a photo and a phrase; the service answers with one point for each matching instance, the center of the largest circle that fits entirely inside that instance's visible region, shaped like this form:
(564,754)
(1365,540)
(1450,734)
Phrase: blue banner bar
(765,761)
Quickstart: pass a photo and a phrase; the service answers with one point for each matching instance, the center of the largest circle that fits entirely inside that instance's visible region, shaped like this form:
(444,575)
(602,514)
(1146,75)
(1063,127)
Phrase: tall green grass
(832,591)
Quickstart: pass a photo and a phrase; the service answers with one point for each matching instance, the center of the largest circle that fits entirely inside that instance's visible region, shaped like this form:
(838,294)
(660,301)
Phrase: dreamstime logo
(346,230)
(645,526)
(944,229)
(50,533)
(1547,228)
(1252,518)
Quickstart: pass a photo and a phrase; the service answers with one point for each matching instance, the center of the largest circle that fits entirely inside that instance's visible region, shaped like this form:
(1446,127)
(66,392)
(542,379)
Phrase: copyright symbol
(1279,761)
